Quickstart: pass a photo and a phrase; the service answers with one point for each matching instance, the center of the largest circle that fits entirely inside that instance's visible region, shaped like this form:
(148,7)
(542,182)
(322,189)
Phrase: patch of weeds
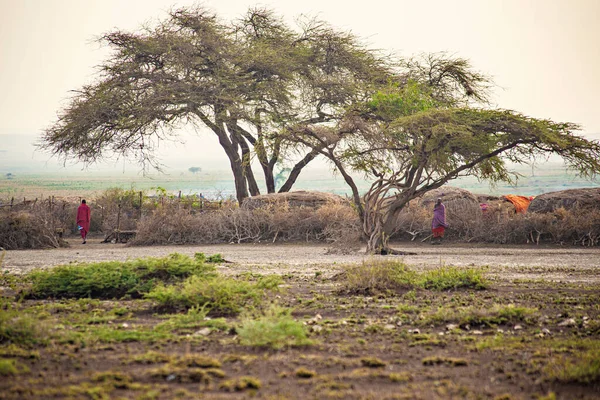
(372,362)
(446,278)
(305,373)
(170,373)
(380,277)
(151,357)
(196,317)
(275,328)
(497,314)
(114,279)
(240,384)
(21,329)
(13,350)
(213,259)
(400,377)
(455,362)
(194,360)
(221,295)
(10,367)
(269,282)
(118,380)
(584,367)
(116,334)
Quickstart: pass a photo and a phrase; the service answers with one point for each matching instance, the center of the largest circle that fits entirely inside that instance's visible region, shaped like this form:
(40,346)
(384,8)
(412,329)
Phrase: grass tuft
(220,295)
(275,329)
(114,279)
(376,277)
(21,329)
(584,368)
(372,362)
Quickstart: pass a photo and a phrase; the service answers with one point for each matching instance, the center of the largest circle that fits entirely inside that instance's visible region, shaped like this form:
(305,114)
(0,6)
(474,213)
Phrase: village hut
(298,198)
(587,198)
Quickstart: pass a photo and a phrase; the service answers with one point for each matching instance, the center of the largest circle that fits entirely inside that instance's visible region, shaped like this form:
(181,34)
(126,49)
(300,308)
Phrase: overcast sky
(544,55)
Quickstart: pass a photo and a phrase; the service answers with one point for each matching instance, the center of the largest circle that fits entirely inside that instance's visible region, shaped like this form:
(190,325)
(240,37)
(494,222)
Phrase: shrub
(114,279)
(584,368)
(275,329)
(374,277)
(20,329)
(222,296)
(275,222)
(447,278)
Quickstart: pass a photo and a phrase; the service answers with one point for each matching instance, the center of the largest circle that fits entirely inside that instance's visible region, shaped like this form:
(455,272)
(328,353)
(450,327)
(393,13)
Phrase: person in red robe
(83,220)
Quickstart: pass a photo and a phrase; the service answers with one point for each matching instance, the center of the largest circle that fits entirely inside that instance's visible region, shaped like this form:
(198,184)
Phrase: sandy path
(573,264)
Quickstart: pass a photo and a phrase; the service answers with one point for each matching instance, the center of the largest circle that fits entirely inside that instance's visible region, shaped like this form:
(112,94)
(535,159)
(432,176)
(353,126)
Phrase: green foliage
(21,329)
(195,318)
(388,276)
(114,279)
(497,314)
(275,329)
(447,278)
(9,367)
(396,101)
(221,295)
(583,368)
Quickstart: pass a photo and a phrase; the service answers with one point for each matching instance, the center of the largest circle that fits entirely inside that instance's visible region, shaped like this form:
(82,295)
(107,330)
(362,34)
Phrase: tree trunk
(296,171)
(269,178)
(378,228)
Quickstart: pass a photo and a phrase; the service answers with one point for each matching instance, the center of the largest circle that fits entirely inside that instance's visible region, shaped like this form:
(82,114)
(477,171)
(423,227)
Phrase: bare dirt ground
(532,333)
(565,264)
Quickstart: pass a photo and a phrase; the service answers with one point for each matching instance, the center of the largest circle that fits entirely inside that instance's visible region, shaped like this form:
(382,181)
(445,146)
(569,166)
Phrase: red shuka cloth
(83,217)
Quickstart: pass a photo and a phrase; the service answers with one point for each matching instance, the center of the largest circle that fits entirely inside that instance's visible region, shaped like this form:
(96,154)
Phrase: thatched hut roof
(588,198)
(294,199)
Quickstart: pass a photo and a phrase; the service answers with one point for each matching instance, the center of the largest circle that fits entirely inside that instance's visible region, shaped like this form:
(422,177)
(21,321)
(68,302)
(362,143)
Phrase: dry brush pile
(164,219)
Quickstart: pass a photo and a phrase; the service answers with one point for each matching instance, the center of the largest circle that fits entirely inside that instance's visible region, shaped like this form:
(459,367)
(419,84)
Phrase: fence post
(12,201)
(118,223)
(141,199)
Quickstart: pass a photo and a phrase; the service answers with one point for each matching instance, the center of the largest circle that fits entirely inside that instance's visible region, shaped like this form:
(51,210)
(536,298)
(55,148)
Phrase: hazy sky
(544,55)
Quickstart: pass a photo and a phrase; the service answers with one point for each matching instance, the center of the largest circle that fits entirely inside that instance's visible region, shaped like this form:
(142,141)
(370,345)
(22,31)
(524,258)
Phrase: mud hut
(588,198)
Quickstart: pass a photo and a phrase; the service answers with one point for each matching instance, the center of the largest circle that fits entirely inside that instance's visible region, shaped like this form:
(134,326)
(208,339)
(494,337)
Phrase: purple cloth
(439,217)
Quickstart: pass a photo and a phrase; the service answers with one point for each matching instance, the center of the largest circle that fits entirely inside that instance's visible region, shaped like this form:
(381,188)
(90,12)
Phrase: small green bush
(114,279)
(447,278)
(375,277)
(20,329)
(8,367)
(275,329)
(584,368)
(222,296)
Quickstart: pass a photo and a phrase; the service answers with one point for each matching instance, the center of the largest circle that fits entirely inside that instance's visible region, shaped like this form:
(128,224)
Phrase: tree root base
(392,252)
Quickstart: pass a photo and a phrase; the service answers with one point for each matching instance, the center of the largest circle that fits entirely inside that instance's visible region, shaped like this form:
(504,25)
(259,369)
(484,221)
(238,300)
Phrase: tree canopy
(418,135)
(245,80)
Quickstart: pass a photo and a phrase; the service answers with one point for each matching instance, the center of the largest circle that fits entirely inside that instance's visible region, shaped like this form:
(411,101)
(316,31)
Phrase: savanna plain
(279,321)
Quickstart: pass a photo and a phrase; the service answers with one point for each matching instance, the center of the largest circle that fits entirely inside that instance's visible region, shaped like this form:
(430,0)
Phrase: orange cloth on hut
(521,203)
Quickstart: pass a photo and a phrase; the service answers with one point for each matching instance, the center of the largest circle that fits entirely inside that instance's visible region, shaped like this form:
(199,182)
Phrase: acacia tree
(421,133)
(245,81)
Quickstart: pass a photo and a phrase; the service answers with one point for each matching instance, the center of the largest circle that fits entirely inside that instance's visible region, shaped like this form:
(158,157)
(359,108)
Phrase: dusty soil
(568,264)
(537,318)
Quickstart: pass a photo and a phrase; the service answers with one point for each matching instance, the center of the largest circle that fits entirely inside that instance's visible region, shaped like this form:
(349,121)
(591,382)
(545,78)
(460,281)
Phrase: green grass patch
(583,367)
(114,279)
(190,321)
(377,277)
(275,329)
(21,329)
(495,315)
(220,295)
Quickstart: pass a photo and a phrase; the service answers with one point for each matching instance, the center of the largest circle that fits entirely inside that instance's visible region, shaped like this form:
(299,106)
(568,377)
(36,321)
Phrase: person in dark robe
(83,220)
(438,225)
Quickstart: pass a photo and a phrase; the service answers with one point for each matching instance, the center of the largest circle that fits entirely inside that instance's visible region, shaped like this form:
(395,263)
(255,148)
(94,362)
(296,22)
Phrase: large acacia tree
(245,80)
(428,128)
